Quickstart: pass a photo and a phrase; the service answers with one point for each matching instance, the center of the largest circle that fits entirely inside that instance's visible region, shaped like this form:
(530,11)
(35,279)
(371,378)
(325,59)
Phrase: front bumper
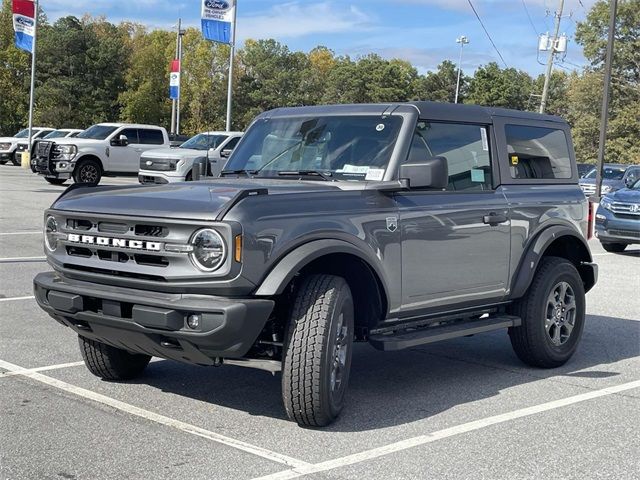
(610,228)
(154,323)
(6,156)
(157,178)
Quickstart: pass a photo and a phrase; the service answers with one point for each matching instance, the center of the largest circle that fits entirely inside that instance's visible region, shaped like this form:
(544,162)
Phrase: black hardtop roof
(428,110)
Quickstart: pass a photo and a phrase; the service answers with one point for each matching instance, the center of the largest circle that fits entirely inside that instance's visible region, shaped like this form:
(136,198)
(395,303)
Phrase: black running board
(413,338)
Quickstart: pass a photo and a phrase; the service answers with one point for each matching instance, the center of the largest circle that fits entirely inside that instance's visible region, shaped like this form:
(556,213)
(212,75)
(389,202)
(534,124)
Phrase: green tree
(440,86)
(496,87)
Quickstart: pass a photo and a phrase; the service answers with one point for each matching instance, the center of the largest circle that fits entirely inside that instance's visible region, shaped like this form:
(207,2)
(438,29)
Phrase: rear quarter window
(537,153)
(150,137)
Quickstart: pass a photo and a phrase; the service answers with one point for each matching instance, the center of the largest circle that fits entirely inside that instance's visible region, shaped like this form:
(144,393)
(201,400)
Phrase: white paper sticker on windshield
(361,170)
(375,174)
(485,142)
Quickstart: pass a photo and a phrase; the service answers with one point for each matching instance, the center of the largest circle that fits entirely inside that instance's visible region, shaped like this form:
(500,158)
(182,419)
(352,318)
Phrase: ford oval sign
(216,4)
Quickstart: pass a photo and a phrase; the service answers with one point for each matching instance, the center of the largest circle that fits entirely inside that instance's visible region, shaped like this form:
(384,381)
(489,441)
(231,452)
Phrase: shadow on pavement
(393,388)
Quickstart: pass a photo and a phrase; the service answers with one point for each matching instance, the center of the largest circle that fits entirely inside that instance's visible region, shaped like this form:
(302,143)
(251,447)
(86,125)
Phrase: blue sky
(420,31)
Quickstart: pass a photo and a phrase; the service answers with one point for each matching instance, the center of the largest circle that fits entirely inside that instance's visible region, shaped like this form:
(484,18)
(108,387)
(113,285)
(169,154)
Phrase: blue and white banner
(174,80)
(217,20)
(24,23)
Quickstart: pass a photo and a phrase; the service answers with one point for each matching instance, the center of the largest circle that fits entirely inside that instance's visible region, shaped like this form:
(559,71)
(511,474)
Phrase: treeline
(90,70)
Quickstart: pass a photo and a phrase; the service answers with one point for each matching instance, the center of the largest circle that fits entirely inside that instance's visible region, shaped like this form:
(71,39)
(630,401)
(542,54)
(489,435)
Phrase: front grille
(159,164)
(625,233)
(43,149)
(625,208)
(588,188)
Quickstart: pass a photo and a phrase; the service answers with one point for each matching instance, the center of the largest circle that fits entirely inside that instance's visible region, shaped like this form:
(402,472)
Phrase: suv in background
(618,216)
(12,147)
(612,179)
(397,224)
(169,165)
(105,149)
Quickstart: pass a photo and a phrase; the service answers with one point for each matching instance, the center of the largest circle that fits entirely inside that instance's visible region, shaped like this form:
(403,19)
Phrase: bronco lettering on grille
(114,242)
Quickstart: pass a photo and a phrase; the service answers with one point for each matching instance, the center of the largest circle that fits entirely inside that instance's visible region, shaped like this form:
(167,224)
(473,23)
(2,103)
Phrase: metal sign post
(231,58)
(27,153)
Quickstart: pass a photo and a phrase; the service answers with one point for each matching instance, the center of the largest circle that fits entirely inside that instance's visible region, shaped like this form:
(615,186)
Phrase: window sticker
(514,160)
(357,169)
(375,174)
(477,175)
(485,141)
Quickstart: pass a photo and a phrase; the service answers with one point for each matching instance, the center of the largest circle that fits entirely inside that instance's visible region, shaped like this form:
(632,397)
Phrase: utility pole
(462,40)
(552,52)
(604,114)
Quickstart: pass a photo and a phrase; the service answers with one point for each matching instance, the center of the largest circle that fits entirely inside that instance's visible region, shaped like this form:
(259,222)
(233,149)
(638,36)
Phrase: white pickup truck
(106,149)
(12,147)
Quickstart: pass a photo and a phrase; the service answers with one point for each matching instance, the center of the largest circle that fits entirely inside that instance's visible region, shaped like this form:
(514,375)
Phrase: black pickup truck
(394,224)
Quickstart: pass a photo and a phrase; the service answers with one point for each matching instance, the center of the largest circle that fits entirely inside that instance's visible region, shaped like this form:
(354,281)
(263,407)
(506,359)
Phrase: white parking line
(41,369)
(35,232)
(12,299)
(155,417)
(22,259)
(446,433)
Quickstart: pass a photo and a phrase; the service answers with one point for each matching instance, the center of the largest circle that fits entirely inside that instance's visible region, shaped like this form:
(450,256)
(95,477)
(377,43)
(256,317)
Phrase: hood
(173,153)
(625,195)
(9,139)
(605,181)
(79,142)
(189,200)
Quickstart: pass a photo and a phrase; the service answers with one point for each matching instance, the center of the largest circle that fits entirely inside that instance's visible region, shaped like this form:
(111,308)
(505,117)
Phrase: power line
(485,31)
(529,17)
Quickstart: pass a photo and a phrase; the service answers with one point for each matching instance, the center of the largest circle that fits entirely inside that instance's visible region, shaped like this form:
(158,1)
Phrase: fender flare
(289,265)
(535,251)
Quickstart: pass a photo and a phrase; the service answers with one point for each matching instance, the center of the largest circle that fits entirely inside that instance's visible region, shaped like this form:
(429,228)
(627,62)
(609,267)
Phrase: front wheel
(317,356)
(614,247)
(55,181)
(553,315)
(88,171)
(110,363)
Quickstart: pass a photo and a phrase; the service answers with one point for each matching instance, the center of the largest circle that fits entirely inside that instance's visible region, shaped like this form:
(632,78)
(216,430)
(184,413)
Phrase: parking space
(466,408)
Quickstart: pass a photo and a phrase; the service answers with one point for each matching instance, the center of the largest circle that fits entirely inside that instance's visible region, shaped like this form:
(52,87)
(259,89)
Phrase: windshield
(24,133)
(57,134)
(204,141)
(97,132)
(346,147)
(610,173)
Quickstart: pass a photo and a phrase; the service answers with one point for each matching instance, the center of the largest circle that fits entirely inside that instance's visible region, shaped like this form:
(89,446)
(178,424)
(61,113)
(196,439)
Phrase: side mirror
(226,153)
(630,181)
(430,173)
(121,141)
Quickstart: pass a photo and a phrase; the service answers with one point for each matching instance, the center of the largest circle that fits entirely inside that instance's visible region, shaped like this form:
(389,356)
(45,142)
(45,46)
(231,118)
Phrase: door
(125,158)
(455,242)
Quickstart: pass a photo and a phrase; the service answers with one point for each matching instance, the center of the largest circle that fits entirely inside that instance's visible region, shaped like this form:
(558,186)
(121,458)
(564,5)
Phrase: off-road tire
(531,341)
(313,342)
(110,363)
(614,247)
(87,171)
(55,181)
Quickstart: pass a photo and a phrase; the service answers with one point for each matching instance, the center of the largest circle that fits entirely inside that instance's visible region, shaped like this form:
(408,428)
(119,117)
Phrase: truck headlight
(606,203)
(5,146)
(209,251)
(605,189)
(66,152)
(51,233)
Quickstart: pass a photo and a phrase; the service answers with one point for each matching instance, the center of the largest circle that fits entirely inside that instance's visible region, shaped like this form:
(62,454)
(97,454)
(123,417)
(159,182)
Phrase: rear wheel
(55,181)
(614,247)
(553,315)
(88,171)
(110,363)
(317,357)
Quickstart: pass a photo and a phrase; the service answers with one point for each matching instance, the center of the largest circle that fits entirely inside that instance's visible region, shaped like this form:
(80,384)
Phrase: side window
(150,137)
(466,148)
(537,152)
(231,144)
(130,133)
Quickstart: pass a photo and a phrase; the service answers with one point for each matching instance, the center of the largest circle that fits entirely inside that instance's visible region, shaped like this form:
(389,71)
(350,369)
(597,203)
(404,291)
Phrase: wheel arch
(87,157)
(558,241)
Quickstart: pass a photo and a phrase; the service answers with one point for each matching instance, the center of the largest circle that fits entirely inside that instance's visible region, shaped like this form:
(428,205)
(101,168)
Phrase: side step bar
(407,339)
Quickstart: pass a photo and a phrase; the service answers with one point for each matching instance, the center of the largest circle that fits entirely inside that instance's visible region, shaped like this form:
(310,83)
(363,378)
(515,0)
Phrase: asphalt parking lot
(466,408)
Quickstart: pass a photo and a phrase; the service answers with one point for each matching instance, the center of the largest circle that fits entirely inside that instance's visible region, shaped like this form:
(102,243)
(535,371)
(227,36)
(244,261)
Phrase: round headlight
(209,251)
(51,233)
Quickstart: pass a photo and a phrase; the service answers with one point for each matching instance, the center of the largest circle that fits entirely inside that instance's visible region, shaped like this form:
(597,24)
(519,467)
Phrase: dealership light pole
(175,106)
(33,79)
(231,57)
(462,40)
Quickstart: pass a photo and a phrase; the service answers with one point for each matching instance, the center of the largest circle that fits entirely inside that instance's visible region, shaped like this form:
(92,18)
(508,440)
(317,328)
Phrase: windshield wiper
(301,173)
(248,173)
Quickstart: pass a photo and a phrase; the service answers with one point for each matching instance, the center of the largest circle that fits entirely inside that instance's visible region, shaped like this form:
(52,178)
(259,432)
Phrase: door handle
(494,219)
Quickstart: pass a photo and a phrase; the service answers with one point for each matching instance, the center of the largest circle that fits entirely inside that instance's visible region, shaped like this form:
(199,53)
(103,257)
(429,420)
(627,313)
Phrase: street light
(462,40)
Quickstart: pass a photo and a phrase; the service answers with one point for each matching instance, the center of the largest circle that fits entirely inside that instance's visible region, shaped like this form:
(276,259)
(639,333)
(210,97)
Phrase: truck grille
(625,233)
(620,208)
(588,189)
(159,164)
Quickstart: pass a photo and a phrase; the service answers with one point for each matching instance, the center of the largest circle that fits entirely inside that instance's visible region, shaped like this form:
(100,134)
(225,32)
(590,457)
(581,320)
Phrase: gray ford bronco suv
(394,224)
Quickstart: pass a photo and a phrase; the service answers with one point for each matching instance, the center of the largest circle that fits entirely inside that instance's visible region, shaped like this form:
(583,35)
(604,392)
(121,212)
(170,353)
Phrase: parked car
(176,164)
(63,133)
(618,218)
(11,148)
(612,179)
(106,149)
(584,168)
(398,224)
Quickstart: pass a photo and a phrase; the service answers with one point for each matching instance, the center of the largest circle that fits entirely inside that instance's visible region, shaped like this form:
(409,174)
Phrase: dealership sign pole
(25,25)
(219,25)
(174,82)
